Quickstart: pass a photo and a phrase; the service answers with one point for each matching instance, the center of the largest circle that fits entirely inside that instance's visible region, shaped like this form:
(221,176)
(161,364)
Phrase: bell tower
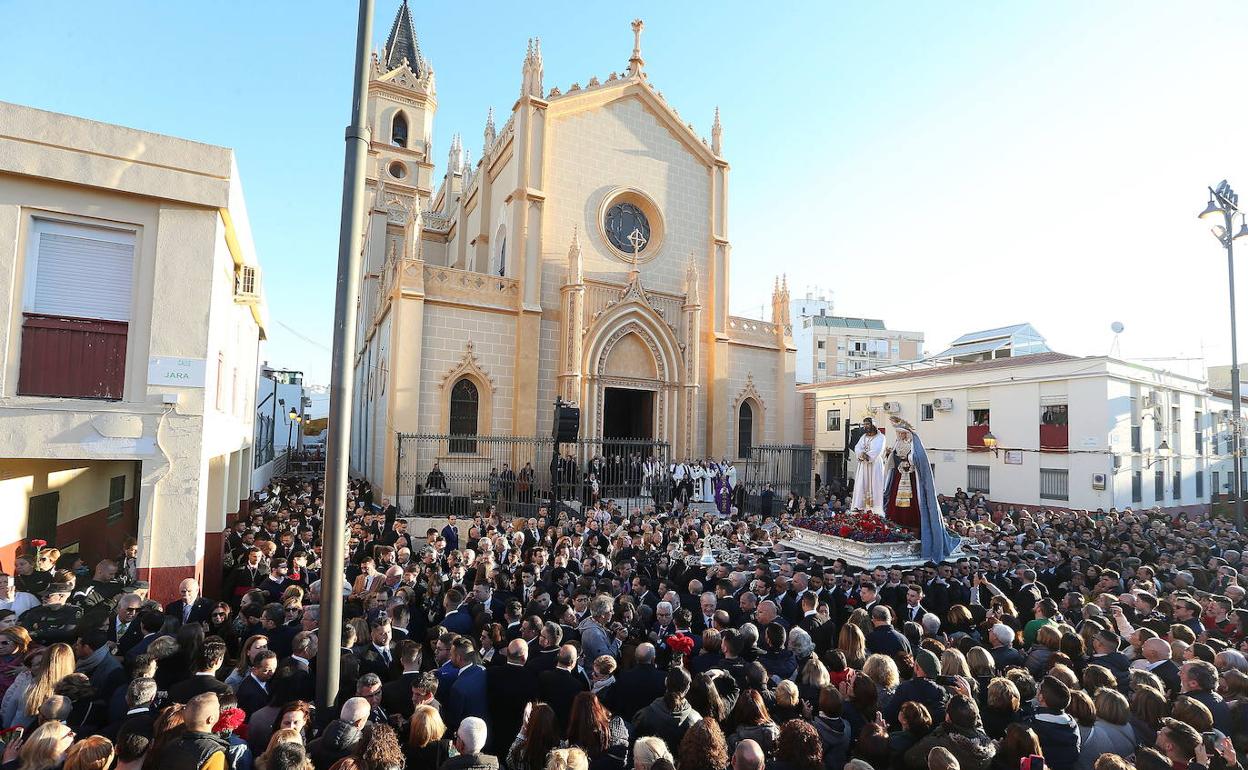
(402,99)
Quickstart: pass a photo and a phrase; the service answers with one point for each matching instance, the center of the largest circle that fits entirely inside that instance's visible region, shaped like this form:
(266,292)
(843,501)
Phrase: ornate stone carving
(468,365)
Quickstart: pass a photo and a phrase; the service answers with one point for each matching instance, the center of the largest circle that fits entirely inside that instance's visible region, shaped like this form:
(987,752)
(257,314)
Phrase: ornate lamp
(990,441)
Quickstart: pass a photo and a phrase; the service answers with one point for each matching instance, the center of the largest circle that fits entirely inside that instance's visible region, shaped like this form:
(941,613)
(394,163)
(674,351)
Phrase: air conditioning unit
(942,404)
(892,407)
(247,284)
(1150,400)
(1098,481)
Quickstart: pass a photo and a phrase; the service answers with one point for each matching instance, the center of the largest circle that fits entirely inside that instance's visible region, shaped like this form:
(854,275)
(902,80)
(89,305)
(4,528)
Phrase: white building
(1070,432)
(130,318)
(831,347)
(279,393)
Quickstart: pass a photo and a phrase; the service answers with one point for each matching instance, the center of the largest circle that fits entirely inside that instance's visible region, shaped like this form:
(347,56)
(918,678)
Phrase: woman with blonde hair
(1000,707)
(567,759)
(648,750)
(279,737)
(861,618)
(788,704)
(812,679)
(853,643)
(94,752)
(1048,639)
(426,748)
(883,671)
(44,748)
(31,688)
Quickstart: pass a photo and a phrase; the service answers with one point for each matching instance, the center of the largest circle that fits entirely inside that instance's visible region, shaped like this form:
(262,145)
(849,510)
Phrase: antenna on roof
(1114,350)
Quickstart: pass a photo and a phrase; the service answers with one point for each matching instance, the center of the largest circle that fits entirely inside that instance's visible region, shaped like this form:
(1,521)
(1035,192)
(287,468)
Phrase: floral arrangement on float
(864,527)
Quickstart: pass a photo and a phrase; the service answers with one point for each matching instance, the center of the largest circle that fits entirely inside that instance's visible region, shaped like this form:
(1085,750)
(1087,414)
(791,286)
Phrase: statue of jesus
(869,477)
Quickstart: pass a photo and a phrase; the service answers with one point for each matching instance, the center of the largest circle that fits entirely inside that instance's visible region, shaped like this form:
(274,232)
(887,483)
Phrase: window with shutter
(78,292)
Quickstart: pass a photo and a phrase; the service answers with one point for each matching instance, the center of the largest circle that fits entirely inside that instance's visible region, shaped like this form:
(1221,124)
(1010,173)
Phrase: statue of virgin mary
(910,493)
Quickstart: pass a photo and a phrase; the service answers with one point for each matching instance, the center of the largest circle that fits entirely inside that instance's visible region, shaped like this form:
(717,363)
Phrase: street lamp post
(290,428)
(1225,203)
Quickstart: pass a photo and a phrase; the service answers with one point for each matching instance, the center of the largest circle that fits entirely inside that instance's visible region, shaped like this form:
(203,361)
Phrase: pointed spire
(636,65)
(717,134)
(490,133)
(402,44)
(576,264)
(531,81)
(454,157)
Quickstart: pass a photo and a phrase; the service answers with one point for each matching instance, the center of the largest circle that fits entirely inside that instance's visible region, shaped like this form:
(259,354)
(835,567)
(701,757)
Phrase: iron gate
(775,470)
(519,474)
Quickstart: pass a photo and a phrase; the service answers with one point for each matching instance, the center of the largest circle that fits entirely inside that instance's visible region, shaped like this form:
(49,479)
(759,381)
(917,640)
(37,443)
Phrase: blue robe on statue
(938,541)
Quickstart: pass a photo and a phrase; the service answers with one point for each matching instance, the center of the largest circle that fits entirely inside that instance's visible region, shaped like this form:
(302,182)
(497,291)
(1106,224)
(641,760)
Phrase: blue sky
(945,167)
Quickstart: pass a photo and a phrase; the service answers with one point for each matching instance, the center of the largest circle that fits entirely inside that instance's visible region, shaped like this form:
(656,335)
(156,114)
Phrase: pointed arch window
(465,403)
(398,130)
(745,430)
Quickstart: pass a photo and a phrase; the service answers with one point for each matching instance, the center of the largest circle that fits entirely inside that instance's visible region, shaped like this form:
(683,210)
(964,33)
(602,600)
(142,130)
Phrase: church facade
(583,255)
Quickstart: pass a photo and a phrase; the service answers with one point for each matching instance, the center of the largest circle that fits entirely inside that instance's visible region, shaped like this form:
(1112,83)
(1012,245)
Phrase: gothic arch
(749,396)
(632,315)
(468,368)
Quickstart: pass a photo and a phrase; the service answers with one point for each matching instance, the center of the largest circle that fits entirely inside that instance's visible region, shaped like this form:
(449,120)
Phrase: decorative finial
(531,84)
(490,133)
(717,134)
(576,269)
(635,63)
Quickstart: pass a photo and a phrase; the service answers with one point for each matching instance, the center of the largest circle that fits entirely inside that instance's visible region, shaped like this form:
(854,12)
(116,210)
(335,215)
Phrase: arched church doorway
(627,413)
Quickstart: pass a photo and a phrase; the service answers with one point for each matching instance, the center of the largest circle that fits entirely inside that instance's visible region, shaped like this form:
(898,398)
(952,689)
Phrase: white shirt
(20,602)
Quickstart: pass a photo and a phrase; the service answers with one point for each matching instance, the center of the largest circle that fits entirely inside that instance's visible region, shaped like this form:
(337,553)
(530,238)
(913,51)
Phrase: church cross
(639,241)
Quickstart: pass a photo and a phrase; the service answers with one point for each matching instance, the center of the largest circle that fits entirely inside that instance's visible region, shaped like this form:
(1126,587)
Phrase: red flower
(680,643)
(846,531)
(38,543)
(230,720)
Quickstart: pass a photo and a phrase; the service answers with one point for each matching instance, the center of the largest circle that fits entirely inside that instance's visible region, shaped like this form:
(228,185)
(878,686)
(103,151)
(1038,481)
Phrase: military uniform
(49,624)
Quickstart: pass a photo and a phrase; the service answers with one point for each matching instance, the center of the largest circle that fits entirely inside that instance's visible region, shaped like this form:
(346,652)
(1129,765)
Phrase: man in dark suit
(450,533)
(467,696)
(458,618)
(548,639)
(1028,593)
(140,695)
(396,696)
(635,688)
(914,610)
(208,659)
(559,686)
(509,688)
(253,693)
(296,671)
(124,628)
(1157,652)
(884,639)
(191,608)
(377,656)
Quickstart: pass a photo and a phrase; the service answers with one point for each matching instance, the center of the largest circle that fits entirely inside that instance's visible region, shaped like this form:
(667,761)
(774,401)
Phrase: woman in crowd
(1019,741)
(242,667)
(853,644)
(1000,708)
(753,722)
(14,645)
(799,748)
(916,723)
(91,753)
(427,749)
(33,686)
(43,749)
(703,747)
(788,702)
(603,737)
(669,715)
(539,734)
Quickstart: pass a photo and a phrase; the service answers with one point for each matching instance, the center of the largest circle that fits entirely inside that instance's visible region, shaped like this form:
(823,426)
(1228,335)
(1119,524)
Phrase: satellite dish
(1117,327)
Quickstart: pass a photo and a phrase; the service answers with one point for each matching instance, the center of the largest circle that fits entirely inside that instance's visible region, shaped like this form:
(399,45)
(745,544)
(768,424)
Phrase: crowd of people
(588,638)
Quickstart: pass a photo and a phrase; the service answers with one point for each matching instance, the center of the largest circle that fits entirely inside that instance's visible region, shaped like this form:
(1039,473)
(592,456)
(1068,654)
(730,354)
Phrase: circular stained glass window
(627,228)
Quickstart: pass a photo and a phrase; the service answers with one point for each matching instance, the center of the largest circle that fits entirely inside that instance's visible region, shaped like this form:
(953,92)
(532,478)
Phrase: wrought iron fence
(773,471)
(447,474)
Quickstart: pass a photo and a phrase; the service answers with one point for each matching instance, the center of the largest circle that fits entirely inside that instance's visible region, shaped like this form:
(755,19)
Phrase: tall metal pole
(1236,430)
(350,244)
